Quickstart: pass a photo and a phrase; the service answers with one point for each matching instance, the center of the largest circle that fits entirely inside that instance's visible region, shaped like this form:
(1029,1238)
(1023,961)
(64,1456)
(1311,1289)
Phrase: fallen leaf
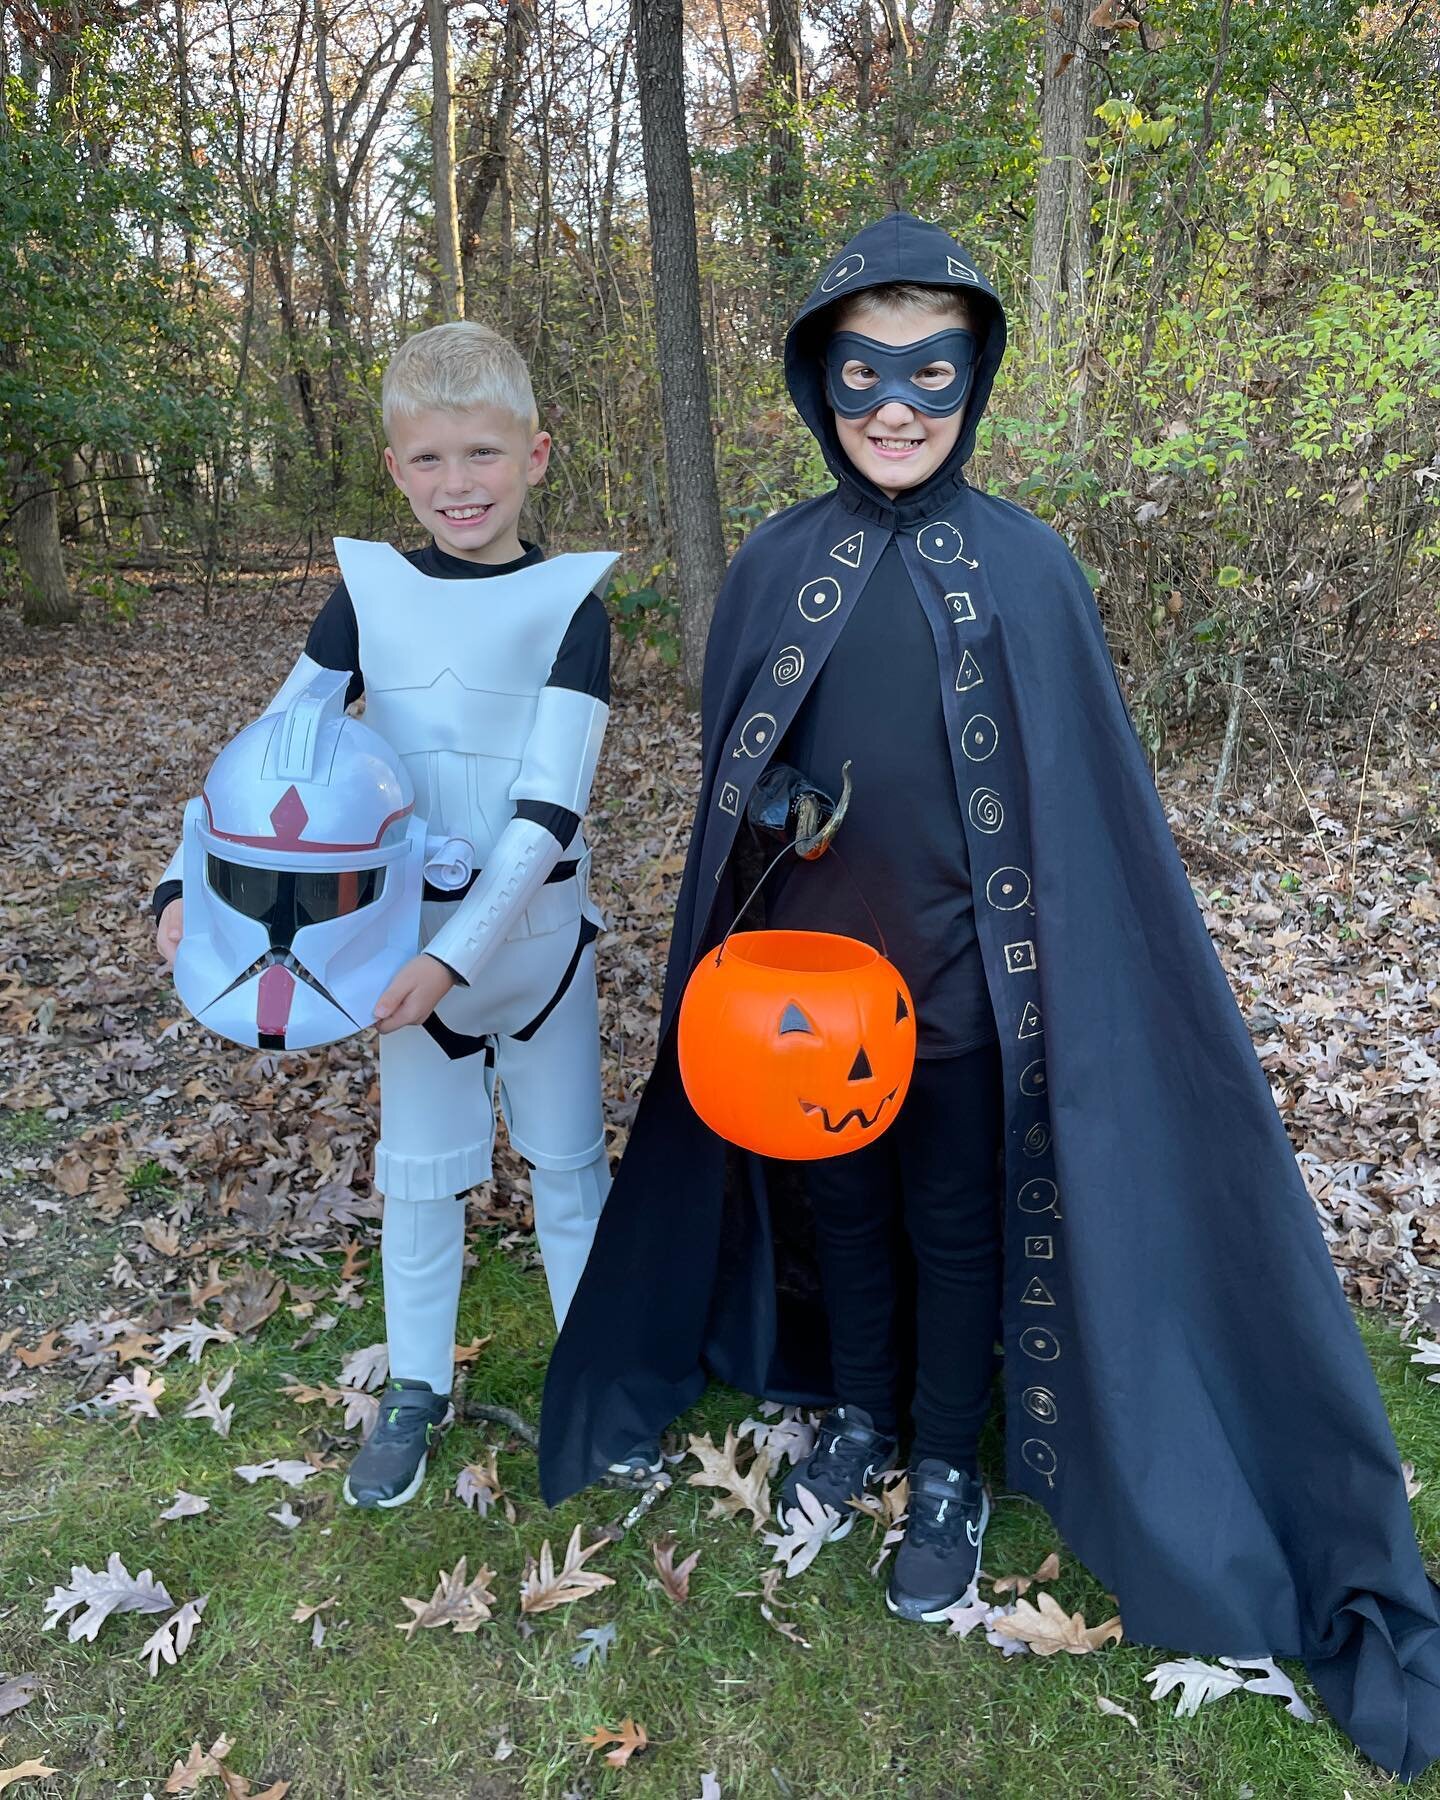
(1048,1629)
(46,1351)
(171,1640)
(368,1368)
(809,1526)
(674,1578)
(136,1394)
(247,1303)
(465,1605)
(542,1588)
(709,1787)
(1197,1683)
(33,1770)
(790,1438)
(285,1515)
(627,1740)
(293,1474)
(1049,1570)
(466,1353)
(198,1765)
(745,1491)
(1272,1680)
(1115,1712)
(206,1404)
(966,1613)
(307,1610)
(113,1590)
(191,1338)
(17,1396)
(1407,1469)
(771,1606)
(594,1642)
(186,1506)
(478,1483)
(17,1691)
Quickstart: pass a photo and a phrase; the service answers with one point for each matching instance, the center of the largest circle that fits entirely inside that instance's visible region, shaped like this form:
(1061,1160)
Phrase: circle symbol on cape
(1037,1141)
(1032,1078)
(1008,889)
(845,270)
(755,734)
(1038,1195)
(1040,1403)
(1040,1344)
(1037,1455)
(979,738)
(789,665)
(986,812)
(940,542)
(818,599)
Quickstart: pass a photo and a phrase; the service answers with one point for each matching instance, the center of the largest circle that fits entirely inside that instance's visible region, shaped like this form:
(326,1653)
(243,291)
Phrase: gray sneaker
(390,1464)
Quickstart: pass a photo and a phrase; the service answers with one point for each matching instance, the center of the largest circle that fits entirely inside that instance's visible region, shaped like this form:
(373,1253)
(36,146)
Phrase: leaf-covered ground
(173,1211)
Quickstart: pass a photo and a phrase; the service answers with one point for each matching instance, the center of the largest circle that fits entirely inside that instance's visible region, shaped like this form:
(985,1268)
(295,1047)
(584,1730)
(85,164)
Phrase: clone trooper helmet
(302,876)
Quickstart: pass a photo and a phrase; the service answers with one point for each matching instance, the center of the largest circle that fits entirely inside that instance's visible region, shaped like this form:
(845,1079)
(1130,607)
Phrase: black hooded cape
(1185,1389)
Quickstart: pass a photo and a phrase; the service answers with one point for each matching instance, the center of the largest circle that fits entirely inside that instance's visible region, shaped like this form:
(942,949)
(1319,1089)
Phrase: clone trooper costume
(491,688)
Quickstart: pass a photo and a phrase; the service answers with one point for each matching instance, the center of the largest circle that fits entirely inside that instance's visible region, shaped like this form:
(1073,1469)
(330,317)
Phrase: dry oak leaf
(206,1404)
(111,1590)
(200,1764)
(809,1526)
(33,1770)
(169,1642)
(136,1394)
(44,1352)
(543,1588)
(1049,1570)
(466,1353)
(627,1740)
(186,1506)
(16,1691)
(478,1485)
(770,1605)
(674,1577)
(17,1396)
(293,1474)
(745,1492)
(1048,1629)
(465,1605)
(192,1337)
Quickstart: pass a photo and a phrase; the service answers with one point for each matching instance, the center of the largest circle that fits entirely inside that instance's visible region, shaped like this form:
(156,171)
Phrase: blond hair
(451,367)
(905,297)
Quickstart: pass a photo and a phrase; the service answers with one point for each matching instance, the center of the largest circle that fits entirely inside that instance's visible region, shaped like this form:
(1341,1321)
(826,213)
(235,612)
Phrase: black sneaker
(848,1454)
(939,1558)
(390,1464)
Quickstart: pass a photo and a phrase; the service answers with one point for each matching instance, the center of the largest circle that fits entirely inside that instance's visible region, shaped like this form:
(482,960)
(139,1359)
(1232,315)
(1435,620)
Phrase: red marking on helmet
(289,819)
(272,1001)
(284,839)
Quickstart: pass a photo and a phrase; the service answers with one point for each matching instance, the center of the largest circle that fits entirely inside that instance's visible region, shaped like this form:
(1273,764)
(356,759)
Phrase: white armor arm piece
(557,769)
(304,671)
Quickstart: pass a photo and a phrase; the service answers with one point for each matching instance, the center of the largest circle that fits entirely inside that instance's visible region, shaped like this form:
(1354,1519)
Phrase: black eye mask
(897,365)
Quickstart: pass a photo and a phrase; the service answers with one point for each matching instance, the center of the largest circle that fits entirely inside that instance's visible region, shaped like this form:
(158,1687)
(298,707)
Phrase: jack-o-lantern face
(796,1044)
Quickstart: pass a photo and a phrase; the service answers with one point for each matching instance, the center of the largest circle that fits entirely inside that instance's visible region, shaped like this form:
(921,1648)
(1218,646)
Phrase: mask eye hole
(792,1019)
(902,1011)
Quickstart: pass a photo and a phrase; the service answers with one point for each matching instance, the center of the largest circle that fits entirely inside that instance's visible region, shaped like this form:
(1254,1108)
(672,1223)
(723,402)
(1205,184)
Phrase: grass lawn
(873,1707)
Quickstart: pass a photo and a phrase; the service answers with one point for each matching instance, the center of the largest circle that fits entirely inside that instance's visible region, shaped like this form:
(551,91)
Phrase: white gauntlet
(514,872)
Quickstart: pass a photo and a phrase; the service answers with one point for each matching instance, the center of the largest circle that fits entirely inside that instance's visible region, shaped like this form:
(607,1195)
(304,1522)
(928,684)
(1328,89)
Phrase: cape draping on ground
(1185,1390)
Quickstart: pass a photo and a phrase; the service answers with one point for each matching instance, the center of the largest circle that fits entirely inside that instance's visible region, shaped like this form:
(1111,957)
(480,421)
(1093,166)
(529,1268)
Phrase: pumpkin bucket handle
(824,840)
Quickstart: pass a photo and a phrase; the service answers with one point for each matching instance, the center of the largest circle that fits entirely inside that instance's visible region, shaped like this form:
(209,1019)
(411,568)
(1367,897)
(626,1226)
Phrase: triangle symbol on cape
(969,675)
(1030,1022)
(849,549)
(1037,1294)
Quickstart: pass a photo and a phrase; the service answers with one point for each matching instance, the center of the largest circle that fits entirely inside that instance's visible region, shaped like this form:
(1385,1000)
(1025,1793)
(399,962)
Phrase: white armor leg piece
(422,1257)
(550,1096)
(437,1118)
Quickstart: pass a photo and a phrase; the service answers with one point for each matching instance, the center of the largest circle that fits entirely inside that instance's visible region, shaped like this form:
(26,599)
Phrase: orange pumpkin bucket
(796,1044)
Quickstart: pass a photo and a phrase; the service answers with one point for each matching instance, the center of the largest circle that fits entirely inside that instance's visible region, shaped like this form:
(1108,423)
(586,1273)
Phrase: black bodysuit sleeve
(334,640)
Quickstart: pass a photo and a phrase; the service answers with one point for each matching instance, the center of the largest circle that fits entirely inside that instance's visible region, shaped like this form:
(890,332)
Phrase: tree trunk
(487,148)
(1060,240)
(699,547)
(442,180)
(144,506)
(79,503)
(35,525)
(786,191)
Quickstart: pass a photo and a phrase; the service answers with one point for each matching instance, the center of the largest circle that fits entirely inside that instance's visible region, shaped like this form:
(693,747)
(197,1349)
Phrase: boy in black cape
(1185,1390)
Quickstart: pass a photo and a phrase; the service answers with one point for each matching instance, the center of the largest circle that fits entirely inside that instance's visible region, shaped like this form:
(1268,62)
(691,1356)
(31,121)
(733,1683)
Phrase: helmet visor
(284,900)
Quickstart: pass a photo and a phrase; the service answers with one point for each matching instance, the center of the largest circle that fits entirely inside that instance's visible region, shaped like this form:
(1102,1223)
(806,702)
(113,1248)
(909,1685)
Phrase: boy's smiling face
(466,474)
(896,446)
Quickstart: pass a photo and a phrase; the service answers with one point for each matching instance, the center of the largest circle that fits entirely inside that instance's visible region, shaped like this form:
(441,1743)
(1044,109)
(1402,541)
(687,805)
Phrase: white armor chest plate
(453,671)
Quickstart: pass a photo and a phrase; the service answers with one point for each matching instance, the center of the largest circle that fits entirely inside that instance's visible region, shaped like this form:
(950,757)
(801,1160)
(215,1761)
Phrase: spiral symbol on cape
(818,599)
(789,665)
(1040,1403)
(1036,1454)
(1040,1344)
(979,738)
(1008,889)
(1037,1140)
(986,812)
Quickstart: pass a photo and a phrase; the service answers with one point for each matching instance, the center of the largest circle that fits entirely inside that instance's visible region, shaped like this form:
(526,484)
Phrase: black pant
(936,1170)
